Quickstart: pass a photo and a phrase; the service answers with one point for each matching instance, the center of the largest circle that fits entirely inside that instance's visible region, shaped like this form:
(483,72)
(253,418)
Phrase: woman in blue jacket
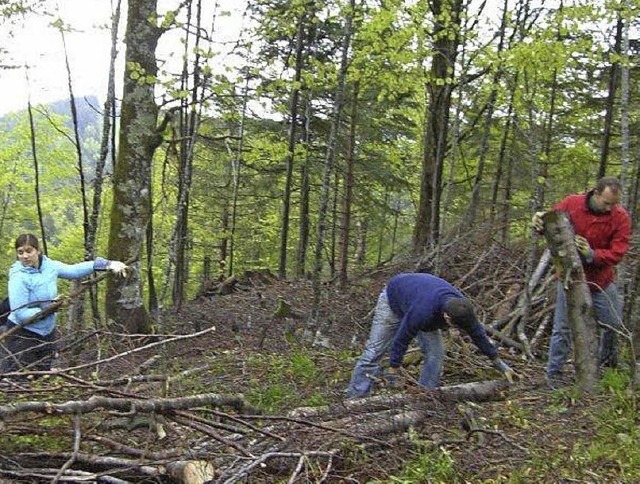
(33,285)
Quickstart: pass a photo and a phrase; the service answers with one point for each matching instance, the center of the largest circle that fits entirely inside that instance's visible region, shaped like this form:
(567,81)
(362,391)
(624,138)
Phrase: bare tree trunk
(347,197)
(473,391)
(614,74)
(335,195)
(108,114)
(76,308)
(78,147)
(36,172)
(224,261)
(580,313)
(303,229)
(438,101)
(186,119)
(500,162)
(629,280)
(394,232)
(189,125)
(235,182)
(361,241)
(154,303)
(383,227)
(474,203)
(541,168)
(314,326)
(505,178)
(291,145)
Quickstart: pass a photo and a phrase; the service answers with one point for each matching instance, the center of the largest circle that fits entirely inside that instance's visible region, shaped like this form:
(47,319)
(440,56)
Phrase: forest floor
(526,433)
(531,433)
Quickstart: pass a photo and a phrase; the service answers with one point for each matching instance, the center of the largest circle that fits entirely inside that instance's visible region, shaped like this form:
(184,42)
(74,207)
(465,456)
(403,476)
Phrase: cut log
(191,471)
(475,391)
(580,314)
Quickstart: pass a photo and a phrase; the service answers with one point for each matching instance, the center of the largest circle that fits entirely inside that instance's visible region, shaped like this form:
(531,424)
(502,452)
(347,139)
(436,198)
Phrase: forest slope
(248,371)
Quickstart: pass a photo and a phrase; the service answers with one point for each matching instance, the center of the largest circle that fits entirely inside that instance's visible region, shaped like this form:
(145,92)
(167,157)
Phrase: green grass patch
(43,441)
(433,464)
(284,381)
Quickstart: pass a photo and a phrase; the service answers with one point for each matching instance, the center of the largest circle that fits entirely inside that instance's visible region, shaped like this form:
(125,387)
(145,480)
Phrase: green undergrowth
(610,448)
(283,381)
(562,437)
(427,463)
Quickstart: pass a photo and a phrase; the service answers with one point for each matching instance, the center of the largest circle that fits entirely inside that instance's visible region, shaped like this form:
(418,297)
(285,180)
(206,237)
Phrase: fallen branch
(475,391)
(128,405)
(132,451)
(146,469)
(115,357)
(504,339)
(243,472)
(211,433)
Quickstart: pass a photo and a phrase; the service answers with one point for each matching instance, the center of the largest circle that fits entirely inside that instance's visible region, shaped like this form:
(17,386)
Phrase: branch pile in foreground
(207,437)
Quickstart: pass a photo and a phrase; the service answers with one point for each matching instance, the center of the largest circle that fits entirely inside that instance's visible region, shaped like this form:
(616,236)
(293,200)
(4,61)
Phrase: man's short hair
(609,181)
(461,311)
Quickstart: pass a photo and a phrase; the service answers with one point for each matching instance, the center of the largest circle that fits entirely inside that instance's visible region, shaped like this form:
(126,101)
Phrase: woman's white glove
(118,268)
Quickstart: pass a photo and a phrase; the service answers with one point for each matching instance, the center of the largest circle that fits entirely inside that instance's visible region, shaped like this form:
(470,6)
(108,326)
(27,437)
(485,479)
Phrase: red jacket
(607,233)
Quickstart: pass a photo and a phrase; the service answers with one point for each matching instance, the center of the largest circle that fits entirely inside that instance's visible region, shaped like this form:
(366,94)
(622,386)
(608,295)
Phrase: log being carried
(600,230)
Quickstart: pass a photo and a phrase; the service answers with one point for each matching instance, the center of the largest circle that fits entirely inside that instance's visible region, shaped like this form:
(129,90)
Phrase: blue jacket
(417,299)
(30,285)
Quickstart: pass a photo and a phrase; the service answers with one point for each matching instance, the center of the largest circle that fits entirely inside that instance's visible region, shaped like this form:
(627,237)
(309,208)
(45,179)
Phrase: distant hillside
(88,110)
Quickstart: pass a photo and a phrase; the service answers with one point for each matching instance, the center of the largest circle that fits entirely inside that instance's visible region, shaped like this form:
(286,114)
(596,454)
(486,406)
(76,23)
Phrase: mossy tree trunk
(139,138)
(580,314)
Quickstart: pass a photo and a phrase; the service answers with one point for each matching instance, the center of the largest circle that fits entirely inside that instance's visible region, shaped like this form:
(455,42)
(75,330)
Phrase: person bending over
(417,305)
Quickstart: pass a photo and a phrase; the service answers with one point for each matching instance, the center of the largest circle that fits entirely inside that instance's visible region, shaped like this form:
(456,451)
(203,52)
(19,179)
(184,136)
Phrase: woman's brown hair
(27,239)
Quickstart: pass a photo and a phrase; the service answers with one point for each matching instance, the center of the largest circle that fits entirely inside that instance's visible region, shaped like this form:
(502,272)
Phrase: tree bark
(190,115)
(614,74)
(474,391)
(580,313)
(139,138)
(347,197)
(438,101)
(128,405)
(332,143)
(490,106)
(108,134)
(36,171)
(305,191)
(291,144)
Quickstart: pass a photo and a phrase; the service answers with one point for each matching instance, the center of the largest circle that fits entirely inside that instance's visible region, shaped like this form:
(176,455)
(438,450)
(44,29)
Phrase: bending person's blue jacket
(31,290)
(418,299)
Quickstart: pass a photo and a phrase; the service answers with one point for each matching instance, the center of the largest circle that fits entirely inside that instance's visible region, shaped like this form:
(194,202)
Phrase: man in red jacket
(602,230)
